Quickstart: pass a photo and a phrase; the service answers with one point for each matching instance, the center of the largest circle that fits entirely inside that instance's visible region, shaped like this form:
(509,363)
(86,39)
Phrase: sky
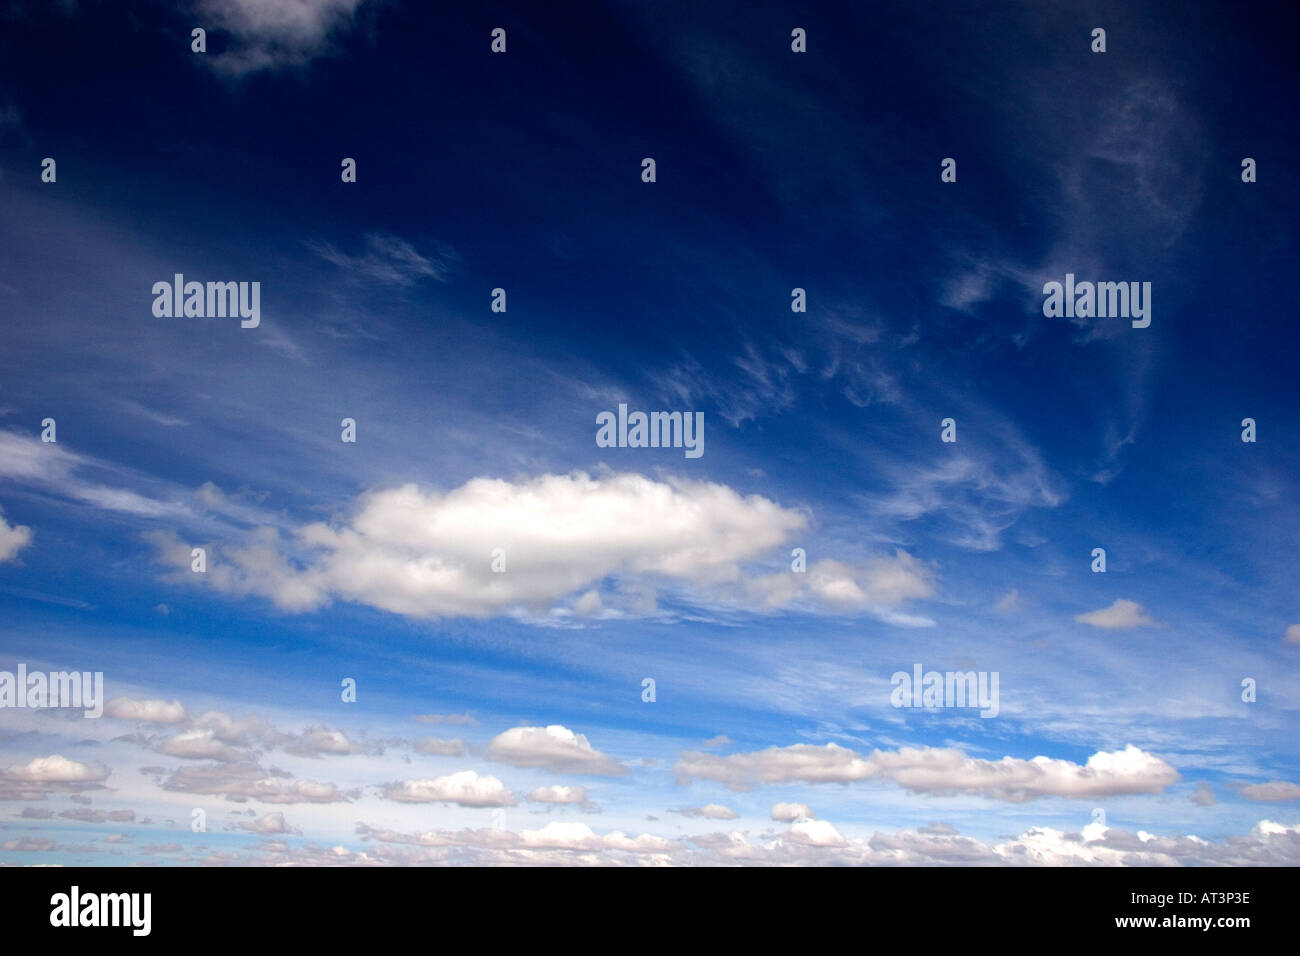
(476,633)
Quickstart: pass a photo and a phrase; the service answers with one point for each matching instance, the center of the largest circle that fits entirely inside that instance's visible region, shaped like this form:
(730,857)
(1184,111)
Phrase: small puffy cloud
(148,711)
(270,824)
(202,744)
(320,741)
(713,811)
(554,748)
(566,836)
(1203,796)
(559,794)
(466,789)
(43,776)
(1123,615)
(790,812)
(437,747)
(938,770)
(1292,635)
(815,833)
(13,538)
(1275,791)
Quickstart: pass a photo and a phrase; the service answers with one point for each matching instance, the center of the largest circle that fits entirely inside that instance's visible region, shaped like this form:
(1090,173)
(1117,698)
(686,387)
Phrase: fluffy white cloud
(790,812)
(559,794)
(466,789)
(267,825)
(555,748)
(815,833)
(1123,615)
(148,711)
(938,770)
(812,842)
(202,744)
(427,554)
(43,776)
(13,538)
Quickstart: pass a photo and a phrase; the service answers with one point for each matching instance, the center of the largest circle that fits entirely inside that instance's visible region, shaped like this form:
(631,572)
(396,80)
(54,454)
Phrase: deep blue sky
(775,170)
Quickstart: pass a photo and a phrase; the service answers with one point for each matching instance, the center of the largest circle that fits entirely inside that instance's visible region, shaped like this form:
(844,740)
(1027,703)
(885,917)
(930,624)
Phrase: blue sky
(775,170)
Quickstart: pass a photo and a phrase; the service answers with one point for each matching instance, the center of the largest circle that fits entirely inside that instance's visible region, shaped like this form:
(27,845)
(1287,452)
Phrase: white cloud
(1275,791)
(427,554)
(272,34)
(555,748)
(1123,615)
(559,794)
(267,825)
(815,833)
(790,812)
(938,770)
(202,744)
(13,538)
(248,781)
(43,776)
(466,789)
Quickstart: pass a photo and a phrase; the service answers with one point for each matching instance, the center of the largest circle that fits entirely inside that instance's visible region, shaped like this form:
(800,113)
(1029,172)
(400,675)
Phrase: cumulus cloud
(202,744)
(147,711)
(43,776)
(466,789)
(1292,635)
(938,770)
(790,812)
(815,833)
(559,794)
(1123,615)
(425,554)
(554,748)
(810,842)
(13,538)
(269,824)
